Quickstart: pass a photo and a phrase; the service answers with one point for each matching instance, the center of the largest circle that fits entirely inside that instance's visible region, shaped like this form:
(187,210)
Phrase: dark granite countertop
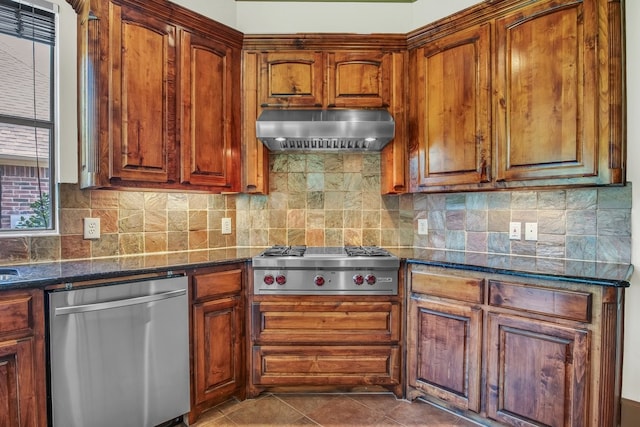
(40,275)
(52,273)
(588,272)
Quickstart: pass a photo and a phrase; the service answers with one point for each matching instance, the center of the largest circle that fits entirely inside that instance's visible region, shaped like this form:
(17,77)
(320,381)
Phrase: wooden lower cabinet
(217,337)
(444,358)
(326,344)
(536,372)
(22,359)
(520,351)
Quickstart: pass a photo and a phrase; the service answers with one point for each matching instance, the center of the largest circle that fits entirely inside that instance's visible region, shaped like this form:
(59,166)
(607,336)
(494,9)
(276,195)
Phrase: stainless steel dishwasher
(120,354)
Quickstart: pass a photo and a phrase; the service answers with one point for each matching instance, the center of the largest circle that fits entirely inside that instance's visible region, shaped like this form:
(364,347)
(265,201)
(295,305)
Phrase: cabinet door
(547,85)
(291,79)
(142,59)
(445,350)
(22,359)
(537,372)
(359,79)
(217,329)
(450,110)
(209,113)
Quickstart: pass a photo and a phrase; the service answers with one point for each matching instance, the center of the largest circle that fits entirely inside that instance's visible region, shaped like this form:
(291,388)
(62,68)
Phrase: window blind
(27,21)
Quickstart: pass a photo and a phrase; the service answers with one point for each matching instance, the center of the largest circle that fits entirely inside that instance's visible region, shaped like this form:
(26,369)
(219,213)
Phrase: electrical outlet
(423,227)
(531,231)
(92,228)
(515,230)
(226,225)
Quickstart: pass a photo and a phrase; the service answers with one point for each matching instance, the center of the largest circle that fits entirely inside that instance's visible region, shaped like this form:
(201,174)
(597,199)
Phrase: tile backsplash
(332,200)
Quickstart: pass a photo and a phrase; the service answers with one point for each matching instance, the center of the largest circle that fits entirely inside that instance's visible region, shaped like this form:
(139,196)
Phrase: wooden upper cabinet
(291,79)
(523,94)
(208,112)
(324,72)
(359,79)
(547,85)
(158,98)
(142,98)
(450,110)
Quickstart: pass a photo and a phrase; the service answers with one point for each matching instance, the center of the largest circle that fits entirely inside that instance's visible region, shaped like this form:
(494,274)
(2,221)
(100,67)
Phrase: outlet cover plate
(92,228)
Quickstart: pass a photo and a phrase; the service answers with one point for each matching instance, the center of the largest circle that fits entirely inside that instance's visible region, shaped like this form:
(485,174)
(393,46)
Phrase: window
(27,58)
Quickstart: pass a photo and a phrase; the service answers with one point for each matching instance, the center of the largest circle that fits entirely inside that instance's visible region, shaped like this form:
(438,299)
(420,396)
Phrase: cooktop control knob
(281,279)
(358,279)
(268,279)
(318,280)
(371,279)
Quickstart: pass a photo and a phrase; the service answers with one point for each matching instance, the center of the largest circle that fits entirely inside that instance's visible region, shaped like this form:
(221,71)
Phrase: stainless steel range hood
(325,130)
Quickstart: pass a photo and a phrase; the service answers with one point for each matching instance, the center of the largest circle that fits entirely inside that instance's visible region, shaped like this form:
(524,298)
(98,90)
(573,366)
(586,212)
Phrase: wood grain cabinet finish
(518,94)
(217,337)
(324,71)
(451,110)
(157,92)
(537,372)
(325,344)
(531,352)
(444,351)
(22,359)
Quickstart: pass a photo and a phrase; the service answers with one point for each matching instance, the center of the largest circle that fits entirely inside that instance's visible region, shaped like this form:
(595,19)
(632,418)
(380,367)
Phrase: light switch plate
(92,228)
(423,227)
(226,225)
(531,231)
(515,230)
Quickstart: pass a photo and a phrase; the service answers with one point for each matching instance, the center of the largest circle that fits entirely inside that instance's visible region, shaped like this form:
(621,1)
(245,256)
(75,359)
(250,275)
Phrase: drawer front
(572,305)
(16,313)
(217,283)
(467,289)
(328,322)
(326,365)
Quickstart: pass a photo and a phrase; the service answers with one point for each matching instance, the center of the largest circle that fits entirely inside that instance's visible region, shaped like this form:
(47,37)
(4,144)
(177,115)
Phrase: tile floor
(328,410)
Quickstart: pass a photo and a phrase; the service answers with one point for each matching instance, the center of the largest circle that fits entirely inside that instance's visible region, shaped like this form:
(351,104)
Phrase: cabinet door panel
(359,79)
(18,404)
(450,110)
(217,328)
(143,97)
(291,79)
(209,139)
(536,372)
(444,351)
(546,72)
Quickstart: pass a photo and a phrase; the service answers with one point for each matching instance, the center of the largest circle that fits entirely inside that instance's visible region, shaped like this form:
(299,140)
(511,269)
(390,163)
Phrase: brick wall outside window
(18,189)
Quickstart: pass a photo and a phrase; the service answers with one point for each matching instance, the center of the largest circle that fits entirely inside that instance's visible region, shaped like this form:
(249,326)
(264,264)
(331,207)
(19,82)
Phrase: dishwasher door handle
(72,309)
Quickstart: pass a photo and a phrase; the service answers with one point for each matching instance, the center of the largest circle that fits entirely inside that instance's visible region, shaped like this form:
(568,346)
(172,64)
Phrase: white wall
(223,11)
(67,160)
(631,363)
(259,17)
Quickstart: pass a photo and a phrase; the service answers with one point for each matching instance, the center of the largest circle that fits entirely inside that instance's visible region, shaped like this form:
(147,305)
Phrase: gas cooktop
(365,270)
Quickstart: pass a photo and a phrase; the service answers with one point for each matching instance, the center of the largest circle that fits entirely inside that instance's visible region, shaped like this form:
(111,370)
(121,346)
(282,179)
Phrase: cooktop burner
(304,251)
(285,251)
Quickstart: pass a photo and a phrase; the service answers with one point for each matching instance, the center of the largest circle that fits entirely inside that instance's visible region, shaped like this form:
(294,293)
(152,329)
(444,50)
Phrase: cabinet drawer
(459,288)
(217,283)
(16,313)
(572,305)
(330,322)
(330,365)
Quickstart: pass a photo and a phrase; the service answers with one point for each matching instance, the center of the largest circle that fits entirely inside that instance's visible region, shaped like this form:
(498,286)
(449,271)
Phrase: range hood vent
(325,130)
